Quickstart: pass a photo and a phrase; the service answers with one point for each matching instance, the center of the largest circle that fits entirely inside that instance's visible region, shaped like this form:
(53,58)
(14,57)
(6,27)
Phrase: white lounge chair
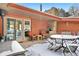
(16,49)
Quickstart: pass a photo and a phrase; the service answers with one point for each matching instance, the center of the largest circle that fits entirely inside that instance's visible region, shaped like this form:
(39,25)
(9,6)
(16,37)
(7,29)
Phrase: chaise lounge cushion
(17,49)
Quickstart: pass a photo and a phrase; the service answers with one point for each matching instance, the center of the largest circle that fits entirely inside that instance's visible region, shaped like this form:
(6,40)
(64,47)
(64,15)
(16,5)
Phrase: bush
(0,37)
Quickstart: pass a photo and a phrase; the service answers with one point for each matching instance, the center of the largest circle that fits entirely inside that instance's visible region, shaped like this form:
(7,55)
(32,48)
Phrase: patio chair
(70,48)
(58,41)
(78,37)
(16,49)
(50,43)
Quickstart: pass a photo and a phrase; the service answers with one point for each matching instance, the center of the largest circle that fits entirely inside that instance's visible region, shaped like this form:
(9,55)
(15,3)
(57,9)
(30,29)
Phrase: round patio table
(57,36)
(63,37)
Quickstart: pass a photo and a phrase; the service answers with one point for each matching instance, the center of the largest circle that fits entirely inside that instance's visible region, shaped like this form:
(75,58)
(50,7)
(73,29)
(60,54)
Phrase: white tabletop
(57,36)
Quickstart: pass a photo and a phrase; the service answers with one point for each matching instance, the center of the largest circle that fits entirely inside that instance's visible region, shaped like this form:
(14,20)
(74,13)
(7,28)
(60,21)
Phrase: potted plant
(0,37)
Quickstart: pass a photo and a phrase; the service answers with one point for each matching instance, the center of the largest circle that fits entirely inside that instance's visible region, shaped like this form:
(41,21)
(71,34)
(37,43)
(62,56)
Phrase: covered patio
(19,20)
(39,22)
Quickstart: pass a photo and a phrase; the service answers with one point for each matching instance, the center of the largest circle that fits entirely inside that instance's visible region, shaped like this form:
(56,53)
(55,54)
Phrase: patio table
(63,37)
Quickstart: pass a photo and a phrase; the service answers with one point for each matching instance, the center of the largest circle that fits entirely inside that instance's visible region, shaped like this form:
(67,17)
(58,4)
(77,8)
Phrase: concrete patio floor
(26,44)
(37,48)
(5,46)
(42,50)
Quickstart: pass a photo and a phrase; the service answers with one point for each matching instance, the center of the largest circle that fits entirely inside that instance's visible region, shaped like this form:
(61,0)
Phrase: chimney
(40,7)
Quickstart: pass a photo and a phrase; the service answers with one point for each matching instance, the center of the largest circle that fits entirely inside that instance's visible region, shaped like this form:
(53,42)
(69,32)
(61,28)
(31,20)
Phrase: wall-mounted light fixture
(2,12)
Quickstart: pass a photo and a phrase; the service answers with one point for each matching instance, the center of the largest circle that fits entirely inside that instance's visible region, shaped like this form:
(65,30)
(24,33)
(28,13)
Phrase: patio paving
(27,44)
(42,50)
(36,48)
(5,46)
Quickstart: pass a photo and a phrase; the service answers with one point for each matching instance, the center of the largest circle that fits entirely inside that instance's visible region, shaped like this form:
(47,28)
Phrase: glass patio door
(14,29)
(18,29)
(10,29)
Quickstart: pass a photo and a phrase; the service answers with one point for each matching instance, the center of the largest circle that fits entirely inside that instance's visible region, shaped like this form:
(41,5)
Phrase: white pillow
(16,46)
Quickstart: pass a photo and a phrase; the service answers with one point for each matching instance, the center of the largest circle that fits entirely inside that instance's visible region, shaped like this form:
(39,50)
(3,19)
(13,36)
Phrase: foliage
(73,11)
(0,37)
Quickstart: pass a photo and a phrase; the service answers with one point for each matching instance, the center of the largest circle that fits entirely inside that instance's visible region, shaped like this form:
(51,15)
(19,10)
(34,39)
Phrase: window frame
(28,25)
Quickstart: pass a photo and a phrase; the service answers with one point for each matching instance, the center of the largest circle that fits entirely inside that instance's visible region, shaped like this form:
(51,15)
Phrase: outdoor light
(2,12)
(40,7)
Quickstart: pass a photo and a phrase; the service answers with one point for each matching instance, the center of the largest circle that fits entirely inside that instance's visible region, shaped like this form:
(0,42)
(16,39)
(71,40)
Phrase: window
(28,25)
(18,28)
(10,29)
(10,24)
(14,29)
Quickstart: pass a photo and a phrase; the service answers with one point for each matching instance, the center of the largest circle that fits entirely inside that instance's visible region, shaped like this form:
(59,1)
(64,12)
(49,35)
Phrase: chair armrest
(67,46)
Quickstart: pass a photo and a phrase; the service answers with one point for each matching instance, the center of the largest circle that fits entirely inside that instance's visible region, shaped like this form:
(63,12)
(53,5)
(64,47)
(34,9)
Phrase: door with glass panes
(14,28)
(18,29)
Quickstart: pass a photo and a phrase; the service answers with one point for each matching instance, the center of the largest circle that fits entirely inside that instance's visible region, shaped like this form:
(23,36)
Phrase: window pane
(27,25)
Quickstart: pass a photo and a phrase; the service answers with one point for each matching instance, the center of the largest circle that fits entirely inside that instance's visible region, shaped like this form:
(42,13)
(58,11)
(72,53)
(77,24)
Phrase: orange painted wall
(70,26)
(38,25)
(0,25)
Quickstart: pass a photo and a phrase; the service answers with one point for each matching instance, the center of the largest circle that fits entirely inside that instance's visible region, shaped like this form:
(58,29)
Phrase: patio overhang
(18,9)
(30,12)
(70,19)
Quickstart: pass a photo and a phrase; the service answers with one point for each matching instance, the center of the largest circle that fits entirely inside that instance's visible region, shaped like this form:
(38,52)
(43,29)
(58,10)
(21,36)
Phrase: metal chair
(58,41)
(50,43)
(70,48)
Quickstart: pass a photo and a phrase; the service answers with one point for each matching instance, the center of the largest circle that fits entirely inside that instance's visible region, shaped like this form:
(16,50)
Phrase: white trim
(16,19)
(13,18)
(29,24)
(69,17)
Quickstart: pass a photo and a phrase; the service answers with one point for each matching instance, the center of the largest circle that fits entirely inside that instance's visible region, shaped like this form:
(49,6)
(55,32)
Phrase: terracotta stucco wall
(0,25)
(70,26)
(38,25)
